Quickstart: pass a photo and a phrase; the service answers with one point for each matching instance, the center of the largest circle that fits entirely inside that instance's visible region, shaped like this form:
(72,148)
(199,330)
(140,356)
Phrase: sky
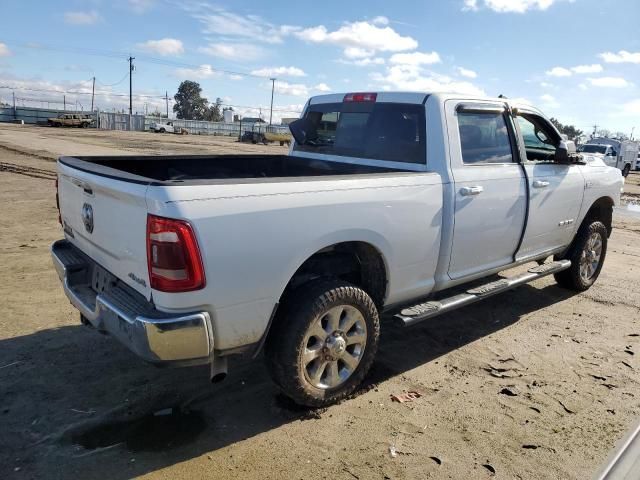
(577,60)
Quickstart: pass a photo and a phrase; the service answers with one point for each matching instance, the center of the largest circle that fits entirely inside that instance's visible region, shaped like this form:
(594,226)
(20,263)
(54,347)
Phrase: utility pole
(93,92)
(15,115)
(595,127)
(273,86)
(64,102)
(131,59)
(166,99)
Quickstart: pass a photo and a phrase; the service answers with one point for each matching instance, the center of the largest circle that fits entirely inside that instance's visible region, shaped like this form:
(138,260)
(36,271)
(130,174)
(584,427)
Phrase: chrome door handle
(540,183)
(476,190)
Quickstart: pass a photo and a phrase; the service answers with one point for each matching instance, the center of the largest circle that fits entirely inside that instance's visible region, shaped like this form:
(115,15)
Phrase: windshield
(382,131)
(593,149)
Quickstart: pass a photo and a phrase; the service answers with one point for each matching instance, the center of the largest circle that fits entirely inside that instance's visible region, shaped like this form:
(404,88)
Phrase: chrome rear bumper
(112,306)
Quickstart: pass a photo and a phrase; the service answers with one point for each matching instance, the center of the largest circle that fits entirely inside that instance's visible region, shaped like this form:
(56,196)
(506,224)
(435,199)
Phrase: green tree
(569,130)
(214,114)
(190,104)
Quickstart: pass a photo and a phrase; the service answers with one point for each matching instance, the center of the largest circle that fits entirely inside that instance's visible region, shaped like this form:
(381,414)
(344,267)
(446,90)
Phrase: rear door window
(484,138)
(381,131)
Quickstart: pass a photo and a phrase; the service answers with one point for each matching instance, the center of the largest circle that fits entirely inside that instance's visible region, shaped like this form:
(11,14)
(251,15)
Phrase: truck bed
(173,169)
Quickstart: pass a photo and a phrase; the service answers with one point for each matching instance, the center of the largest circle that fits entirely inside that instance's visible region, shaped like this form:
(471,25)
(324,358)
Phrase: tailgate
(106,218)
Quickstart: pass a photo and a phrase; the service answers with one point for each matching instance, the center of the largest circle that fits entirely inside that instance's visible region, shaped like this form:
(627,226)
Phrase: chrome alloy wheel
(590,257)
(333,346)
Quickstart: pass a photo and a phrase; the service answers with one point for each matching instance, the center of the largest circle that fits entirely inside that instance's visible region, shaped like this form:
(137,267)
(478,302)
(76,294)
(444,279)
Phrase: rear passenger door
(490,189)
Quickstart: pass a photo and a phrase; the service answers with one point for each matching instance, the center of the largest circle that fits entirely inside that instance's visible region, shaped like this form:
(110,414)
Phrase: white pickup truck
(384,200)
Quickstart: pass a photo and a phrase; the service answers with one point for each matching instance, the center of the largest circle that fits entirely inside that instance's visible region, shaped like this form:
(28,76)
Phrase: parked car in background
(615,153)
(384,200)
(71,120)
(167,127)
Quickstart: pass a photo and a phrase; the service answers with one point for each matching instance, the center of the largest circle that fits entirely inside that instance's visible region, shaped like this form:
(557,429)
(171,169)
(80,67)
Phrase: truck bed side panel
(254,237)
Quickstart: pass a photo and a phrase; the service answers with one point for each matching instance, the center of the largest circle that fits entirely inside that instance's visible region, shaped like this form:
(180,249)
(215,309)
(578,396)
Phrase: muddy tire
(626,170)
(587,254)
(323,342)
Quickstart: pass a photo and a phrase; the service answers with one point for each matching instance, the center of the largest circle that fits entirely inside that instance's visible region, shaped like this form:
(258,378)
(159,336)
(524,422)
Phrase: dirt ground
(537,383)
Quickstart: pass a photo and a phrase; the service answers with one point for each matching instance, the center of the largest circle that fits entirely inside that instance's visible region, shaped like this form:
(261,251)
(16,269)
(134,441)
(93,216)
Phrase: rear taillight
(58,202)
(173,256)
(360,97)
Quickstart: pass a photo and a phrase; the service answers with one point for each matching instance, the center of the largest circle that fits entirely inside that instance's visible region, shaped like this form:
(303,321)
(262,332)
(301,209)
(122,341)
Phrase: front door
(490,189)
(555,190)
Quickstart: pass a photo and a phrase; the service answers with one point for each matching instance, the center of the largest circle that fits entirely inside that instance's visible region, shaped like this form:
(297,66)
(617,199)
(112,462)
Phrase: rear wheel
(587,255)
(162,130)
(626,170)
(324,343)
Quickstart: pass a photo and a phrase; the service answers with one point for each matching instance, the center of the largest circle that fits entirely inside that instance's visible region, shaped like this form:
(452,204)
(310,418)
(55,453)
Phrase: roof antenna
(502,96)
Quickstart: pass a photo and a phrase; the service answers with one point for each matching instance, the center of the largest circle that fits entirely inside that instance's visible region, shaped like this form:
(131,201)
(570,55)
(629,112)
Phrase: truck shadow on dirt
(75,404)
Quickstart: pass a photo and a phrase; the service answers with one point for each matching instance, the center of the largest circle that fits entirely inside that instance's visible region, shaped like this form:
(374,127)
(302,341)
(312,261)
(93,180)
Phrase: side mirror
(303,130)
(565,151)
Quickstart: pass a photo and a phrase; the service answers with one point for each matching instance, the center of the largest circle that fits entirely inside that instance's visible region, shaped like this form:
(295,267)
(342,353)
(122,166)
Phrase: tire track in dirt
(28,171)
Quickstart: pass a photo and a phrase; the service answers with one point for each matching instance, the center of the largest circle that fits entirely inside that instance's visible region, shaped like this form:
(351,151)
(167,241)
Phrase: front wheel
(626,170)
(324,342)
(587,255)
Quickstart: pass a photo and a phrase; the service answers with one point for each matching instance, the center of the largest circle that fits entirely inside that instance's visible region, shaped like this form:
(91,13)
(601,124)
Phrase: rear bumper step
(113,307)
(424,311)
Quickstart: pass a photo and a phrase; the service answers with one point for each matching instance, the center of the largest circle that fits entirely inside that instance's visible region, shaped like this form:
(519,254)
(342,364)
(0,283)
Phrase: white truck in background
(167,127)
(384,200)
(621,154)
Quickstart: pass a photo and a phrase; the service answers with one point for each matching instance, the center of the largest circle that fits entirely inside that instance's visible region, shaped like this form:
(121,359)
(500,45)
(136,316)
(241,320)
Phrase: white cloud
(356,52)
(293,89)
(509,6)
(415,58)
(234,51)
(219,21)
(200,73)
(613,82)
(364,62)
(559,72)
(4,50)
(567,72)
(380,20)
(621,57)
(369,36)
(546,85)
(164,47)
(465,72)
(298,89)
(632,107)
(81,18)
(549,100)
(279,72)
(141,6)
(471,5)
(594,68)
(583,86)
(414,78)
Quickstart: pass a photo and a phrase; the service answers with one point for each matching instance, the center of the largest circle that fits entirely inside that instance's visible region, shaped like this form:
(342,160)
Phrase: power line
(114,84)
(75,92)
(143,58)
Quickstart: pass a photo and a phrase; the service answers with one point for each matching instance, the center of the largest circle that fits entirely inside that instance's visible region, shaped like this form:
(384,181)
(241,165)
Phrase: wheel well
(356,262)
(602,209)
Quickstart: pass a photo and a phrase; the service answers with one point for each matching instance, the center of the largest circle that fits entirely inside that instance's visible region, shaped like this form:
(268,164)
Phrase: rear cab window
(484,138)
(373,130)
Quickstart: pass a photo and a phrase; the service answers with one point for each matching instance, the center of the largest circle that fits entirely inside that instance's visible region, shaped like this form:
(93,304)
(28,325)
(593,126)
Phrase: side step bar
(424,311)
